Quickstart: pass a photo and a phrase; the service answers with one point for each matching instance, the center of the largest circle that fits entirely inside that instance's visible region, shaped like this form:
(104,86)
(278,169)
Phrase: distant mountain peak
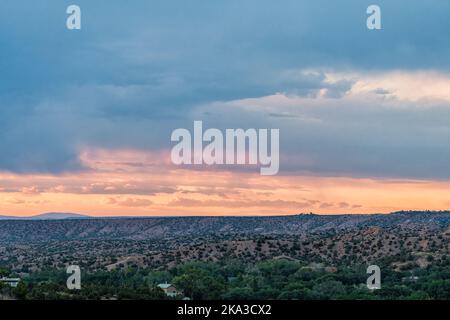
(48,216)
(59,215)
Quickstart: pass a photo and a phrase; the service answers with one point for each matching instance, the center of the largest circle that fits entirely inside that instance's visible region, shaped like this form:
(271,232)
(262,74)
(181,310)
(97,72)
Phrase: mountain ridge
(179,227)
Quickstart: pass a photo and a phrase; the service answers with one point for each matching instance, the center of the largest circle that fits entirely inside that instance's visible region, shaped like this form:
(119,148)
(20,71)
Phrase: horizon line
(74,215)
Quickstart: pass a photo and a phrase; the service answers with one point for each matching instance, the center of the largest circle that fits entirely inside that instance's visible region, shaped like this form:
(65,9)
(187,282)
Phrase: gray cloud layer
(137,71)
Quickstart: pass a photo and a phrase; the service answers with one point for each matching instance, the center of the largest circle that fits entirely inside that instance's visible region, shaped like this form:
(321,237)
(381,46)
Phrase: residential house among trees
(169,289)
(12,282)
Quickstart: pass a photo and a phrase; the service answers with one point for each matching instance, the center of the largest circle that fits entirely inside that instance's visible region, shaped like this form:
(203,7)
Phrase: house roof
(165,285)
(10,279)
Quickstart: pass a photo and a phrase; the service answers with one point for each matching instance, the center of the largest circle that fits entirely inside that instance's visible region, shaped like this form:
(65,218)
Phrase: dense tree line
(272,279)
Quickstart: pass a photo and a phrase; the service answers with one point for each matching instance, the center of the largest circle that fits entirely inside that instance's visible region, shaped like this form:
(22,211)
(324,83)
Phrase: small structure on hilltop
(12,282)
(169,289)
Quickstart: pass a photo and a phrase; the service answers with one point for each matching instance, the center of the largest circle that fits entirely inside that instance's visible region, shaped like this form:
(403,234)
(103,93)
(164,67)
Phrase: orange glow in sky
(130,183)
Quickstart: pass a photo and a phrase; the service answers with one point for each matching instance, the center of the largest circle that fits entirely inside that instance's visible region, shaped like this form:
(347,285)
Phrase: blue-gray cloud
(136,71)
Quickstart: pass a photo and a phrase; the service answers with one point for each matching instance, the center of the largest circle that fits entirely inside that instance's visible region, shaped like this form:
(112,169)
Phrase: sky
(86,115)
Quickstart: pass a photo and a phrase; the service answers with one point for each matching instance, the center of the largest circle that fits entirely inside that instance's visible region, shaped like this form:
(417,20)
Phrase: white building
(12,282)
(169,289)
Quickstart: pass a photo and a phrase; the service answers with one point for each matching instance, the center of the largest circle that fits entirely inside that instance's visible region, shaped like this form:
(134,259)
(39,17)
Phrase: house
(410,279)
(12,282)
(169,289)
(331,269)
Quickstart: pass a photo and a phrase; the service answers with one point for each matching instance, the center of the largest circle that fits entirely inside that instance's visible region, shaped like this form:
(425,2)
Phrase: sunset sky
(86,115)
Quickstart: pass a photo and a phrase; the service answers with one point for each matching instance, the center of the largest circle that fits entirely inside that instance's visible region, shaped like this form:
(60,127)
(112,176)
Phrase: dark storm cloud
(138,70)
